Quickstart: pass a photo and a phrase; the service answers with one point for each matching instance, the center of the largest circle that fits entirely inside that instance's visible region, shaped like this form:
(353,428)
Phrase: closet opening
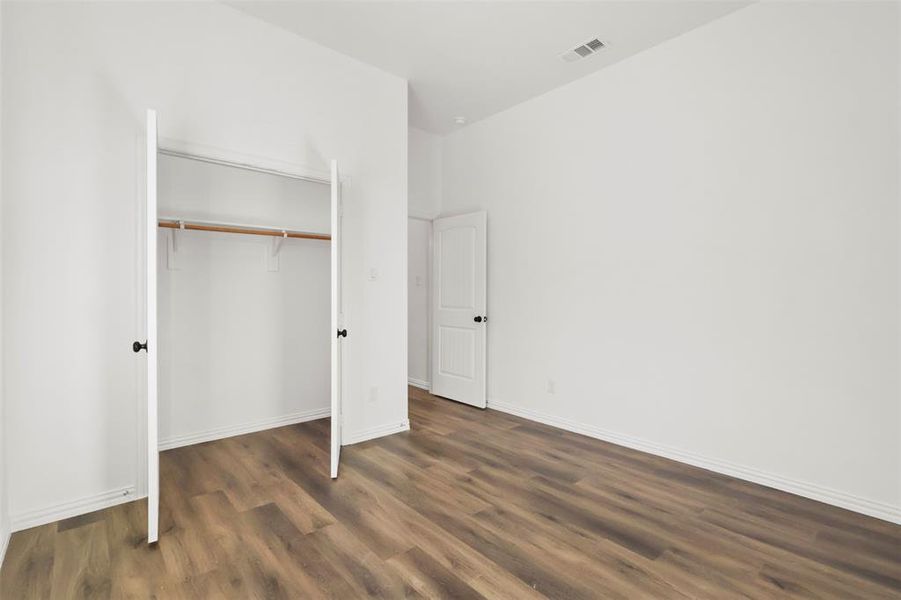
(244,331)
(243,300)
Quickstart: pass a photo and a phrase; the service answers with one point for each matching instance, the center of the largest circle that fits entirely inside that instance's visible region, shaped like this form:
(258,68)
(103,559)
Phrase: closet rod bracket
(277,242)
(181,227)
(172,246)
(274,249)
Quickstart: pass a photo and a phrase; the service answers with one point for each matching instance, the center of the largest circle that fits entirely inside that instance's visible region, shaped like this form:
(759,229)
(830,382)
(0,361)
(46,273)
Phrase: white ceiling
(474,59)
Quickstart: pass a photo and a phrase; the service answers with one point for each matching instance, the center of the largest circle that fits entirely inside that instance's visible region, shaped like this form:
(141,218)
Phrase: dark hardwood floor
(468,504)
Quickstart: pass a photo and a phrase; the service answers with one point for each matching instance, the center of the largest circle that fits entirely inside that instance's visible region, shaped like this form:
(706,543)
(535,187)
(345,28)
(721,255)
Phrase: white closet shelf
(174,223)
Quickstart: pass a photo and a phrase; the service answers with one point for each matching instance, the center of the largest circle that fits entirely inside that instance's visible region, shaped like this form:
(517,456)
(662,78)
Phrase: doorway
(275,236)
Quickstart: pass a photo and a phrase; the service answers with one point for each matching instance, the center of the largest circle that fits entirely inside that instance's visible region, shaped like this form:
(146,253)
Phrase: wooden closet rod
(173,224)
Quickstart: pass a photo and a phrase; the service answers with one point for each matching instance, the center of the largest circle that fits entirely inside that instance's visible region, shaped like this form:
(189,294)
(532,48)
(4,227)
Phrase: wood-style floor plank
(468,504)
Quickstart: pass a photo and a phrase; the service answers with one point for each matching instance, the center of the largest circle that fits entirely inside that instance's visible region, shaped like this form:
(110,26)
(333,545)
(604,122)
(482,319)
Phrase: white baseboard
(72,508)
(880,510)
(223,432)
(420,383)
(4,544)
(375,432)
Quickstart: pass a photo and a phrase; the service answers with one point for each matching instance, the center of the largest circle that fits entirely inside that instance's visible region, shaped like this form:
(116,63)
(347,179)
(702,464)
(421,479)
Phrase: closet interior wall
(243,345)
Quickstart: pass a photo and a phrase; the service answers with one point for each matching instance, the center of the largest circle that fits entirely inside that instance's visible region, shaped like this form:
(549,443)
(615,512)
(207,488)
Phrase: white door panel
(337,328)
(150,345)
(459,308)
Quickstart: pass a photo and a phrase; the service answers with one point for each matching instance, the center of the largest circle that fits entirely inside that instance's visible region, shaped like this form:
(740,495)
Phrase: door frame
(428,294)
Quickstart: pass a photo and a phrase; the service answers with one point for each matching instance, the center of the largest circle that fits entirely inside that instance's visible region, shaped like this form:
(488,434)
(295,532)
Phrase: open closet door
(338,332)
(150,345)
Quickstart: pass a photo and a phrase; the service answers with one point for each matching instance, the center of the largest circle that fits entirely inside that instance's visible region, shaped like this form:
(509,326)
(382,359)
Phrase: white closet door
(339,334)
(150,345)
(459,284)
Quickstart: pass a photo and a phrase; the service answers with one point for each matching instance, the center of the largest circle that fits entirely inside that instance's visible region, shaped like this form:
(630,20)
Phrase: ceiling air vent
(583,51)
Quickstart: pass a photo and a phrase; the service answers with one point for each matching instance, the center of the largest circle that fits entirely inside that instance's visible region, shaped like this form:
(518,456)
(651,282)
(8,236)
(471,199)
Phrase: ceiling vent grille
(584,51)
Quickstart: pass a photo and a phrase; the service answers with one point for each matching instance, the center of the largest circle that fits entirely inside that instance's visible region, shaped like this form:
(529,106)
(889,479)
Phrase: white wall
(424,150)
(418,285)
(78,78)
(700,246)
(241,347)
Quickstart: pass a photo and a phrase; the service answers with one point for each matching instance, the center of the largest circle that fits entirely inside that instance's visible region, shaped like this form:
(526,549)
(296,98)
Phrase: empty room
(450,299)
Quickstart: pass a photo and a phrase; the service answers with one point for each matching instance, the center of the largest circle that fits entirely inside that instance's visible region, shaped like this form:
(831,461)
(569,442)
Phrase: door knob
(342,333)
(138,346)
(478,319)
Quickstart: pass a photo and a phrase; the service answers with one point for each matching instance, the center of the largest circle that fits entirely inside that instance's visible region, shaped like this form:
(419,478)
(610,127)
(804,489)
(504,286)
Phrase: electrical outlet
(551,386)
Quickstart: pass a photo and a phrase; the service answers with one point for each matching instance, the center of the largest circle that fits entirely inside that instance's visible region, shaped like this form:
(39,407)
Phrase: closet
(242,292)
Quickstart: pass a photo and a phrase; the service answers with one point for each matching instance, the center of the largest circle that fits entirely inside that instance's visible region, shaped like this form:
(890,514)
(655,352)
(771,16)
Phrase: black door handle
(478,319)
(342,333)
(138,346)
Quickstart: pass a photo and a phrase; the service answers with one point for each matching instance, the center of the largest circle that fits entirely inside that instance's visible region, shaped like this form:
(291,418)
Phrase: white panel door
(150,345)
(339,334)
(459,319)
